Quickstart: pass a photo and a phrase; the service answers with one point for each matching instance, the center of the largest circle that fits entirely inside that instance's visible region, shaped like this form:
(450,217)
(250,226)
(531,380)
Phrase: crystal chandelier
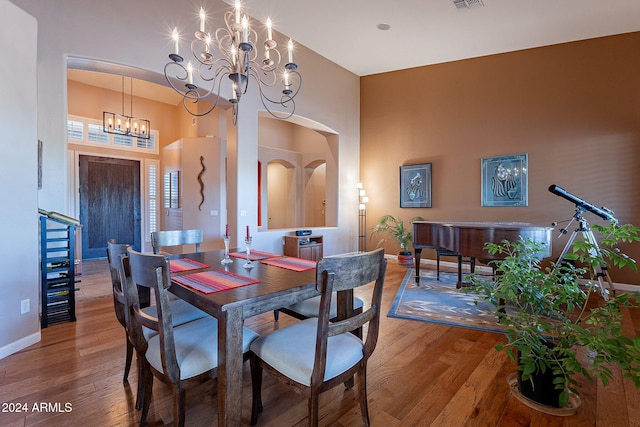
(233,55)
(121,124)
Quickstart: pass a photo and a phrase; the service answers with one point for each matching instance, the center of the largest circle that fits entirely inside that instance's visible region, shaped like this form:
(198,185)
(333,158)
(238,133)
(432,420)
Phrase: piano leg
(417,254)
(459,284)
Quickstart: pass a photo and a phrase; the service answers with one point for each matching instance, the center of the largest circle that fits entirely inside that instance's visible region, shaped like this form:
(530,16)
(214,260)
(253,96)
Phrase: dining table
(274,287)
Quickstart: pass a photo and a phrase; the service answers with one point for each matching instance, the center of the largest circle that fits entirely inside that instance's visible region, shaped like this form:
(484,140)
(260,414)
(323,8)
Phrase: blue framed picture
(415,186)
(504,180)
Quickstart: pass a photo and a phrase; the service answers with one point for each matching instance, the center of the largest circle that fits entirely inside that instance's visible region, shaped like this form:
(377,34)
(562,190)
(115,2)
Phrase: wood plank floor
(421,374)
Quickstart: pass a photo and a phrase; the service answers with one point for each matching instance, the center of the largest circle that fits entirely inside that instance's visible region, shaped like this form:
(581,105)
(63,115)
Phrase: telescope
(602,212)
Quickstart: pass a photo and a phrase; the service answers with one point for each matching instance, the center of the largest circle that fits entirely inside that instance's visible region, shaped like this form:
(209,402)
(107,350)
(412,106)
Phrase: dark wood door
(109,203)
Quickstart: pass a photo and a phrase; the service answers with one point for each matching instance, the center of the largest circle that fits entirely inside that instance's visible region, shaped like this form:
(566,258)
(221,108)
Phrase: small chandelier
(120,124)
(232,53)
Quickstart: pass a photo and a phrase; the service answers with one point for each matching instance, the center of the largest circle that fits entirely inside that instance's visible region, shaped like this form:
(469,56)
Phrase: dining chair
(183,311)
(316,354)
(176,238)
(182,356)
(114,251)
(311,307)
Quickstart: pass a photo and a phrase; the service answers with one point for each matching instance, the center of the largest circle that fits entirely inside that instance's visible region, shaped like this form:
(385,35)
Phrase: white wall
(18,175)
(140,38)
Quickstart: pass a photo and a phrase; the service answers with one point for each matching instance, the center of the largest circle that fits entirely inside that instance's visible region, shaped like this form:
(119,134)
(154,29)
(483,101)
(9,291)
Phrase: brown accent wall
(574,108)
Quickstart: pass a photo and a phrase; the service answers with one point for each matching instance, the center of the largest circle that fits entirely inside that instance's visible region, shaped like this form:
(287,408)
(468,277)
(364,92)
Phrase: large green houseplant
(395,228)
(551,322)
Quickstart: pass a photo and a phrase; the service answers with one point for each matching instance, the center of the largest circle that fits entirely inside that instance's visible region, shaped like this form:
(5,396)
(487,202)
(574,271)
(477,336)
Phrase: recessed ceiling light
(384,27)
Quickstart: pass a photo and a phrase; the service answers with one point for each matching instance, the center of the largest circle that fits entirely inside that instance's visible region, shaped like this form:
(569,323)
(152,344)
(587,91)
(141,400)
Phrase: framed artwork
(415,186)
(504,180)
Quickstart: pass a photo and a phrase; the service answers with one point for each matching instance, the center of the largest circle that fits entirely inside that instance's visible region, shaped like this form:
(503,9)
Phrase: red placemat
(185,264)
(292,263)
(212,281)
(255,255)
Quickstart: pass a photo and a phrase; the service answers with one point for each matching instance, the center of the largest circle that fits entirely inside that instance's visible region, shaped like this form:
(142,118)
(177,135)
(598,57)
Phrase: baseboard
(16,346)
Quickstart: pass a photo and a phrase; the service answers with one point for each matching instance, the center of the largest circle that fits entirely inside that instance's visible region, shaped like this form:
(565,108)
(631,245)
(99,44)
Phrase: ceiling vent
(467,4)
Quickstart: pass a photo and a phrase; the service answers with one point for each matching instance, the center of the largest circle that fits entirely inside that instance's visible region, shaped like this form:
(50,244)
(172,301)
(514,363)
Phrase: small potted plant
(553,329)
(395,228)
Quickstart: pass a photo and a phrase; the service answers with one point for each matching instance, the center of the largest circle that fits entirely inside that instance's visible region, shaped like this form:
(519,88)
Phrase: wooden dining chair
(182,356)
(316,354)
(311,307)
(114,251)
(161,239)
(183,312)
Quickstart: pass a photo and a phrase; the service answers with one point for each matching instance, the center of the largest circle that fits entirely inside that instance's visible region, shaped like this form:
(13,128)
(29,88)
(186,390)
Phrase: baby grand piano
(468,239)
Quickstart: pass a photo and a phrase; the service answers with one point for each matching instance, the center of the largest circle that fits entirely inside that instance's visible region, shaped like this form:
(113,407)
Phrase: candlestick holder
(226,259)
(247,242)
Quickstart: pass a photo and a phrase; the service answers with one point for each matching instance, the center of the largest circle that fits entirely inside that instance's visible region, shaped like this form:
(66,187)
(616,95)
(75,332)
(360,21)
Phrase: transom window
(83,130)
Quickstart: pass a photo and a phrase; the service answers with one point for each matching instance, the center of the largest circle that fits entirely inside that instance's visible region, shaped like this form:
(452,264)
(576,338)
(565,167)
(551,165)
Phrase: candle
(248,235)
(238,6)
(203,17)
(190,73)
(290,47)
(245,29)
(286,79)
(269,29)
(176,40)
(226,232)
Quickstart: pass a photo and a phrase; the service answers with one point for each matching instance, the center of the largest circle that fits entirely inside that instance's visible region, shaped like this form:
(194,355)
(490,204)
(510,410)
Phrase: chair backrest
(114,252)
(152,271)
(343,273)
(176,238)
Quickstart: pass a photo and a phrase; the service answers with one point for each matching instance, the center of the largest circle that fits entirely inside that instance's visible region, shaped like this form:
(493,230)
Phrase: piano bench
(445,252)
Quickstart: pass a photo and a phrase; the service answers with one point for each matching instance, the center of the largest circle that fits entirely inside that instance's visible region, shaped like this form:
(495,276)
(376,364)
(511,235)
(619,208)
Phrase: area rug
(438,301)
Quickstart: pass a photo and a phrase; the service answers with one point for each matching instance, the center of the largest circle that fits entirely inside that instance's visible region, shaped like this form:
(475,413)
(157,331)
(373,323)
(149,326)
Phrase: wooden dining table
(277,287)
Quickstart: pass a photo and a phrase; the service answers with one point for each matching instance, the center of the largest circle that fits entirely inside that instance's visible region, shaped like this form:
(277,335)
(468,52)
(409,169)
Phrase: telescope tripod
(601,272)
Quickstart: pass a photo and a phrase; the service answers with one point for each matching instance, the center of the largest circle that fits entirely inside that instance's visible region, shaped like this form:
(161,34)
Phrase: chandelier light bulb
(269,29)
(238,7)
(245,29)
(203,18)
(290,49)
(176,40)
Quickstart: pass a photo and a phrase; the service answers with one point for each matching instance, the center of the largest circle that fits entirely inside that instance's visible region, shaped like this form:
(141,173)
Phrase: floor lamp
(362,218)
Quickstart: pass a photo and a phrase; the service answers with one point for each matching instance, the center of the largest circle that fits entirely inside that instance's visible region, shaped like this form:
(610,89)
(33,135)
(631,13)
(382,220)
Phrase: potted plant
(395,228)
(552,326)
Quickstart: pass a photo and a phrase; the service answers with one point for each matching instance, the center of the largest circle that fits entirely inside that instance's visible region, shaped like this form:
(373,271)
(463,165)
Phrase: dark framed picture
(415,186)
(505,180)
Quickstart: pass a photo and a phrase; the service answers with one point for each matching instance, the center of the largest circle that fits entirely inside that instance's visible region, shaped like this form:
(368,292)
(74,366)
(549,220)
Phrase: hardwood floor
(421,374)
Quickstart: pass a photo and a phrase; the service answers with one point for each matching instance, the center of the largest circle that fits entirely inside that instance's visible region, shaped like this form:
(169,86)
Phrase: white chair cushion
(181,312)
(291,350)
(310,307)
(196,346)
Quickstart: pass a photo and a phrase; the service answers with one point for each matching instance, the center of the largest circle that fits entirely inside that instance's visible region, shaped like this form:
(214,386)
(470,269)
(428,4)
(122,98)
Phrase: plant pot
(540,388)
(405,258)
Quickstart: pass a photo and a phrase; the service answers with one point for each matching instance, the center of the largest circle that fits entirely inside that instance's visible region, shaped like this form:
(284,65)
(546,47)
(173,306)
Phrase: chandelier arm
(224,66)
(285,97)
(285,101)
(272,64)
(184,102)
(257,72)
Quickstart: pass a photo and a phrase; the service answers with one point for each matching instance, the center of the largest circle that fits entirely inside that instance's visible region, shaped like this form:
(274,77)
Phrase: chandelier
(120,124)
(233,55)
